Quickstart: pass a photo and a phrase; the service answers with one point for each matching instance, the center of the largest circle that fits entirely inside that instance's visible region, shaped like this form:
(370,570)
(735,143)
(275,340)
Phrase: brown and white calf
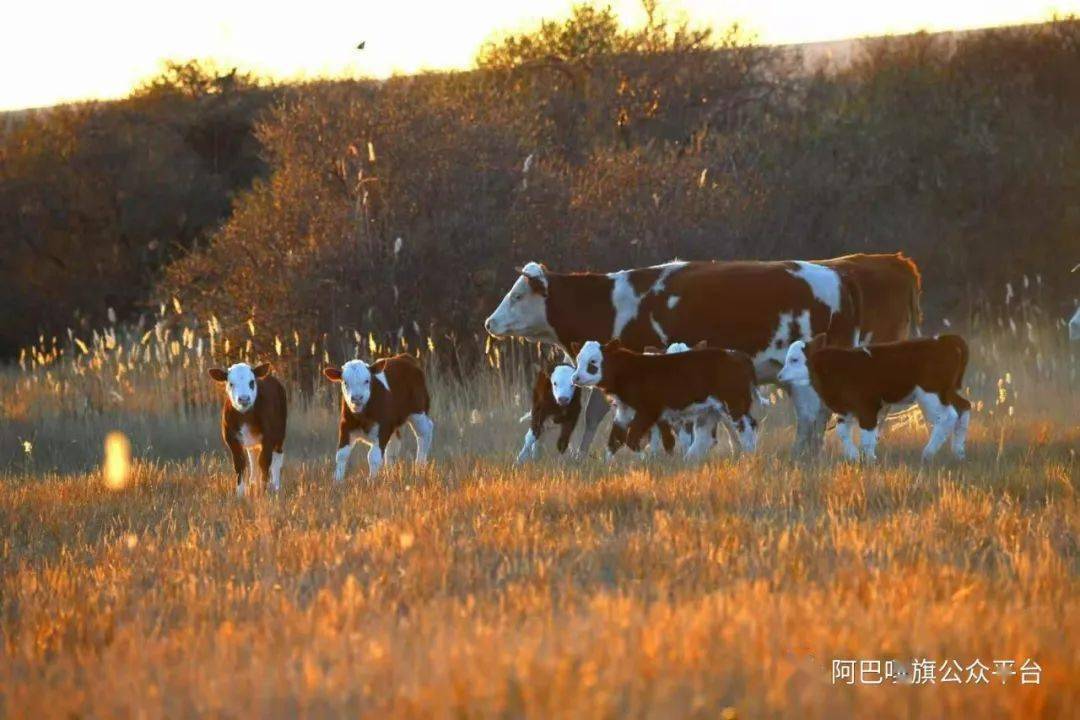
(253,416)
(860,384)
(663,434)
(759,308)
(376,400)
(703,386)
(554,398)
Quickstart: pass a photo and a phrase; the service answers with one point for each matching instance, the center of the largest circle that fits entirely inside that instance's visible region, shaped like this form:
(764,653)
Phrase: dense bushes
(95,199)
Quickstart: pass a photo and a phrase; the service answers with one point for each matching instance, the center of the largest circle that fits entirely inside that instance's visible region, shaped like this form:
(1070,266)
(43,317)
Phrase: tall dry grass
(472,588)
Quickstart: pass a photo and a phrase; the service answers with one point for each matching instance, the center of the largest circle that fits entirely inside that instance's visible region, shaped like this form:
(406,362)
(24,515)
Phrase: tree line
(400,207)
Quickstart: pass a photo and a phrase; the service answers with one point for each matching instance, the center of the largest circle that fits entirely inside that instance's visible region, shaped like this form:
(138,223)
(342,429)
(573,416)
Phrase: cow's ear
(653,350)
(818,342)
(575,348)
(701,345)
(261,370)
(613,344)
(218,375)
(332,374)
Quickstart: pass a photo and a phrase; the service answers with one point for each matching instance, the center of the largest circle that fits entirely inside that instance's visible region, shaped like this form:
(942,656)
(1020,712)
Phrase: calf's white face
(677,347)
(562,385)
(590,364)
(523,312)
(795,371)
(241,383)
(355,379)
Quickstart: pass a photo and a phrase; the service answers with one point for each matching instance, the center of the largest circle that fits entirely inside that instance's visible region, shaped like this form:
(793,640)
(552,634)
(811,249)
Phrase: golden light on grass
(117,469)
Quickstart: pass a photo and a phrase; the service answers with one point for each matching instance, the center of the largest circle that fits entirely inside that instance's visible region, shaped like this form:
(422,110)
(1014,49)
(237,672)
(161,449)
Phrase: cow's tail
(525,417)
(915,316)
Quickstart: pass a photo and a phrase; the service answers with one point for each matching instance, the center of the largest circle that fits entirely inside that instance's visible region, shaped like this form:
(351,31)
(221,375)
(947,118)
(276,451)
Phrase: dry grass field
(645,588)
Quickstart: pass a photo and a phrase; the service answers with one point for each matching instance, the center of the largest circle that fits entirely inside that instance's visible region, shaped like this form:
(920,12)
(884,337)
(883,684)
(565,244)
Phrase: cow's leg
(638,427)
(686,435)
(252,465)
(704,434)
(616,438)
(747,433)
(810,419)
(565,431)
(596,409)
(940,417)
(654,440)
(960,429)
(527,446)
(868,443)
(423,428)
(239,464)
(276,461)
(844,428)
(266,462)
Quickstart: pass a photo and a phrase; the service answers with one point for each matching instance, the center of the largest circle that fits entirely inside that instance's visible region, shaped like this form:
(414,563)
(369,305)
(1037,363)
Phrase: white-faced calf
(860,384)
(704,386)
(253,417)
(376,400)
(556,399)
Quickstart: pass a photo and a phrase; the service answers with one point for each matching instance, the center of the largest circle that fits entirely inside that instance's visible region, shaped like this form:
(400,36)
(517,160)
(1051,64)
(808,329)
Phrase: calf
(376,400)
(703,386)
(859,385)
(253,416)
(554,398)
(662,433)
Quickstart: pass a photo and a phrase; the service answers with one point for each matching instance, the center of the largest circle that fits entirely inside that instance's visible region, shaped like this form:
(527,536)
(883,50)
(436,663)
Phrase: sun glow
(65,51)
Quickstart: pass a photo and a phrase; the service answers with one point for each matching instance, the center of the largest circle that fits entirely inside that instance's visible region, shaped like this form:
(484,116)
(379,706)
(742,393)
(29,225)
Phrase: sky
(53,51)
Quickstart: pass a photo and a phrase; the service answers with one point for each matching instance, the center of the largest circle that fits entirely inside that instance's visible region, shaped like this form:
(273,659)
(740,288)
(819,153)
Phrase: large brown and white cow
(759,308)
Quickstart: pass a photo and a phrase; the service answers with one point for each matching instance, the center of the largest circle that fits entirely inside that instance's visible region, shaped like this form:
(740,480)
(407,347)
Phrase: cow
(759,308)
(376,400)
(253,417)
(889,286)
(703,387)
(554,398)
(860,384)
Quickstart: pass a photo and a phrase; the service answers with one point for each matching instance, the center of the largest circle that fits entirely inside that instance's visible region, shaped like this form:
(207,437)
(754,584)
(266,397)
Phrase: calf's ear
(575,348)
(261,370)
(653,350)
(613,344)
(701,345)
(332,374)
(218,375)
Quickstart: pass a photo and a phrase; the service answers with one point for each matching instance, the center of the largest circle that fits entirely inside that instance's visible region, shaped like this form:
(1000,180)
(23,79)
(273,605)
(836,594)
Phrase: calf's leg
(942,419)
(844,429)
(424,428)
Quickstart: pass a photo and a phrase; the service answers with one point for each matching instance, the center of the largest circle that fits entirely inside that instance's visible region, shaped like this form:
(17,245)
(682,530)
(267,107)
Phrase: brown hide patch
(889,286)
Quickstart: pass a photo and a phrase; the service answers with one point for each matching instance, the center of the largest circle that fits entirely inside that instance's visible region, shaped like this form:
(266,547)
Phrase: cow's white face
(795,370)
(590,364)
(241,387)
(523,312)
(356,384)
(677,347)
(562,384)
